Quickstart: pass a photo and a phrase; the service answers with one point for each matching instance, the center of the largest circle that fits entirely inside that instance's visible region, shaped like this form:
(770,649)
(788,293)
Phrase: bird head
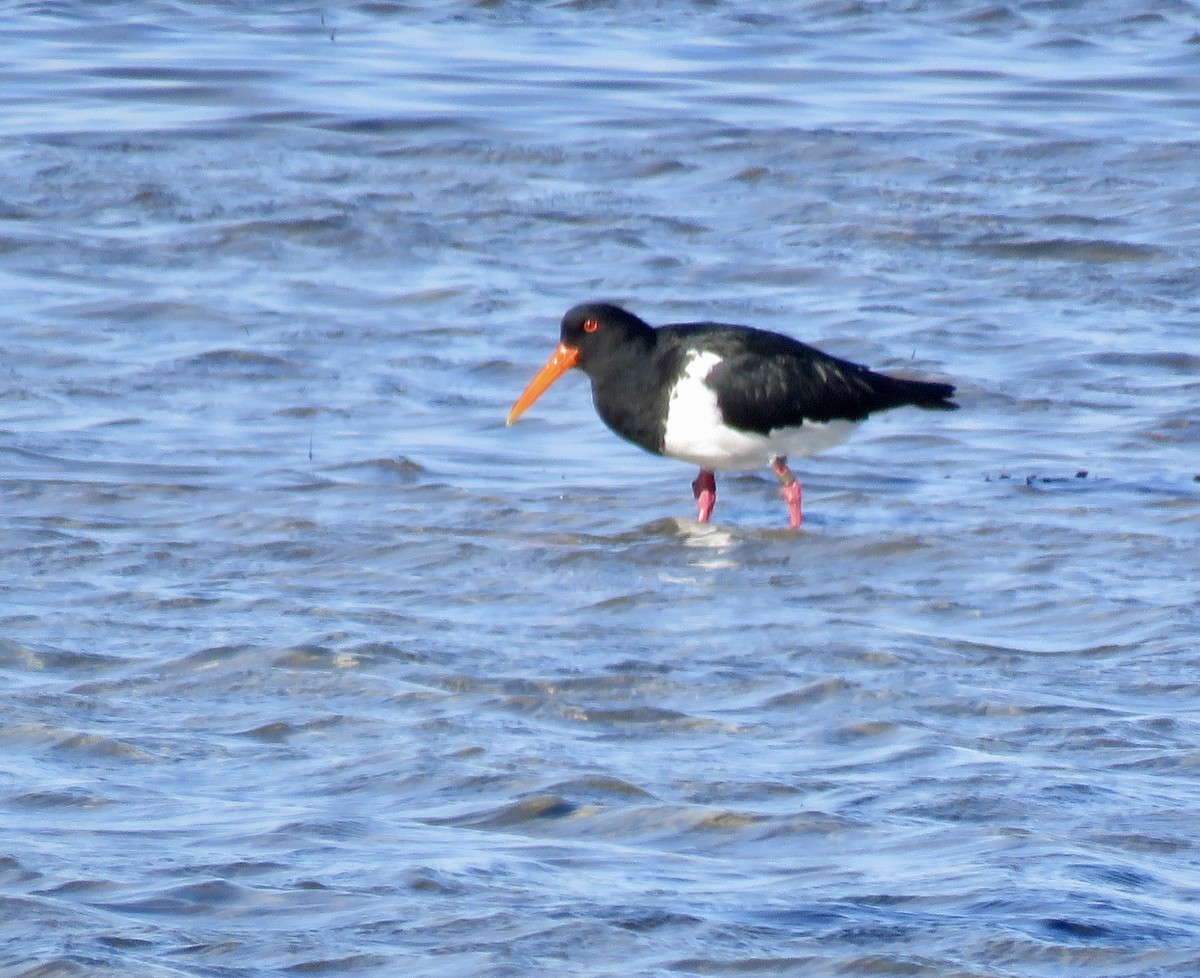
(590,333)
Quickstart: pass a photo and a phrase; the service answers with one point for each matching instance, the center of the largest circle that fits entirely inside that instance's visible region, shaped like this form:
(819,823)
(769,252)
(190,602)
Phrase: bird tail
(922,394)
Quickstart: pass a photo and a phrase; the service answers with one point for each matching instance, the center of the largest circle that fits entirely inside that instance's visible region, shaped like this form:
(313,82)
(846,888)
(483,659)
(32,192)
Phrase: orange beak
(563,359)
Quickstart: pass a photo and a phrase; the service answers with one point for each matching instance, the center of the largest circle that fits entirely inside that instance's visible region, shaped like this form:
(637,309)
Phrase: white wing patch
(696,433)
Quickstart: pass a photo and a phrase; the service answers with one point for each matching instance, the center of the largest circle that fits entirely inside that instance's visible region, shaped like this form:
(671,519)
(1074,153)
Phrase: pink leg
(704,488)
(790,490)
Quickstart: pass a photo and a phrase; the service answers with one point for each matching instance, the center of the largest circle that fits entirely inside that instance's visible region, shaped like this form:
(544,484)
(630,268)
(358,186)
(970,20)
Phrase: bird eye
(590,325)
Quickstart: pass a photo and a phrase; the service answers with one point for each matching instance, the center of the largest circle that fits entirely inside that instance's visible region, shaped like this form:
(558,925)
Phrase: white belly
(696,434)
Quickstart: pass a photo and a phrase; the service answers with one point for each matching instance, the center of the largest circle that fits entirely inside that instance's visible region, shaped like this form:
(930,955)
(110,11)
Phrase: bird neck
(629,394)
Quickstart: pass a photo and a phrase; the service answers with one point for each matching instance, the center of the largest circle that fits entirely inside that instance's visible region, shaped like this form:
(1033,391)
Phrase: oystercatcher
(719,396)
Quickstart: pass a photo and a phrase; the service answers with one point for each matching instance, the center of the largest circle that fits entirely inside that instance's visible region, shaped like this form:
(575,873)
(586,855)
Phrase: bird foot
(791,495)
(704,488)
(789,490)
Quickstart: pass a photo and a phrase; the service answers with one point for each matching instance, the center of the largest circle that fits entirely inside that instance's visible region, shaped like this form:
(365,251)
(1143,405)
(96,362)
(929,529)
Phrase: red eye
(590,325)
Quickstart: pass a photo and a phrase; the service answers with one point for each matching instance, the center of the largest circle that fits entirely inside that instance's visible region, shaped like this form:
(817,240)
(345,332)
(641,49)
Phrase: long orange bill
(563,359)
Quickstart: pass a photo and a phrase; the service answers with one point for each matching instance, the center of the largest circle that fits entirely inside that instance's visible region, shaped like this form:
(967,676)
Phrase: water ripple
(311,664)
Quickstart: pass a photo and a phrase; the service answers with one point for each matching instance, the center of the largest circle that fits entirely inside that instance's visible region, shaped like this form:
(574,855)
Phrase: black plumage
(765,381)
(720,395)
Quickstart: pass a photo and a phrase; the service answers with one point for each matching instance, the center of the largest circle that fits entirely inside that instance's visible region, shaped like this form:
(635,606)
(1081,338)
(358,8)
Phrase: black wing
(766,380)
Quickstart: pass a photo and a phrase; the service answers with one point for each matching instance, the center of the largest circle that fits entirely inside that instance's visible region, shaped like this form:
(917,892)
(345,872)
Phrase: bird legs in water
(789,489)
(704,488)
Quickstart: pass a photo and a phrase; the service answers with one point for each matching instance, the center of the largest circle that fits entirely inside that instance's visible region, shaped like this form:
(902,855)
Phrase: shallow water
(311,666)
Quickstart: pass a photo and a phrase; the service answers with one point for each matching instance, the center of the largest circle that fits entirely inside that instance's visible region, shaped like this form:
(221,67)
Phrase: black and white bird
(722,397)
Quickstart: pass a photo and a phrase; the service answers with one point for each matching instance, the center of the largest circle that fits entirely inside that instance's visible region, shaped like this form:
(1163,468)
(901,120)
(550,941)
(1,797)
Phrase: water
(311,666)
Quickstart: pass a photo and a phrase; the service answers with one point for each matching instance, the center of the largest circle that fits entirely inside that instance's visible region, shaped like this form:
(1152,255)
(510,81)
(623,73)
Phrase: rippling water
(311,666)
